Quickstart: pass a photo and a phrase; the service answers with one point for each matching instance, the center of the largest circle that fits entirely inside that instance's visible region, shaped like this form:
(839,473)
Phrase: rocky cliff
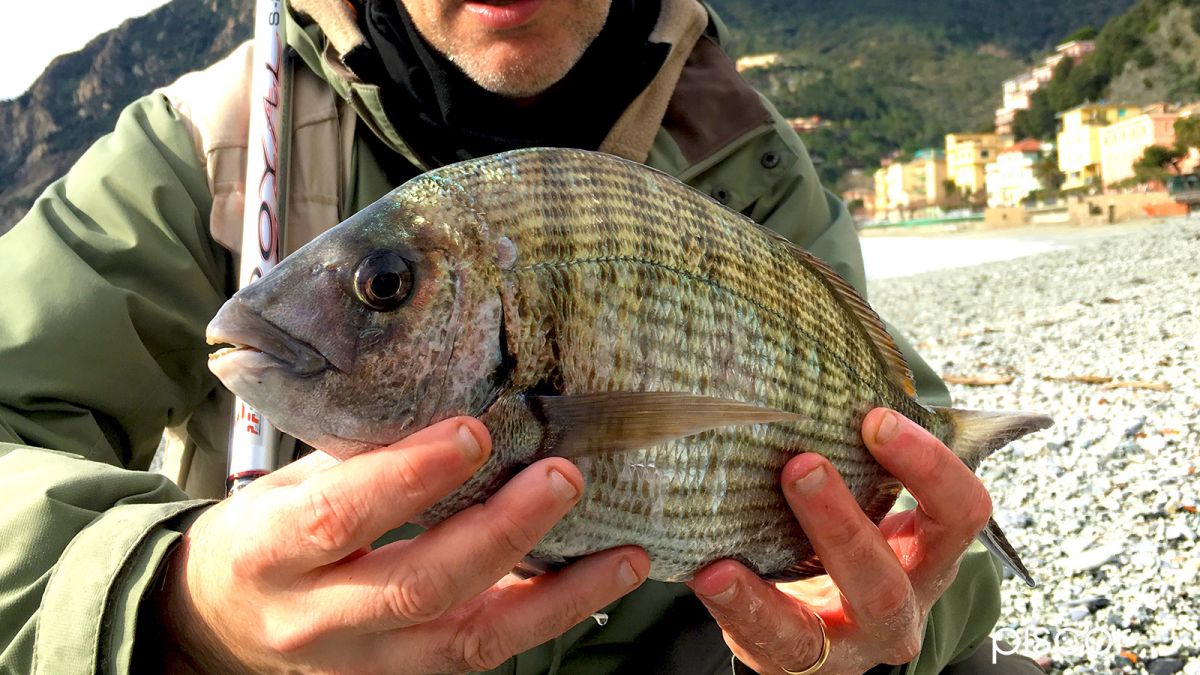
(78,97)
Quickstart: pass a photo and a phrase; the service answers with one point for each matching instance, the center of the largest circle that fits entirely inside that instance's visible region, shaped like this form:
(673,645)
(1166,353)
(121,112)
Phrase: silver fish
(591,308)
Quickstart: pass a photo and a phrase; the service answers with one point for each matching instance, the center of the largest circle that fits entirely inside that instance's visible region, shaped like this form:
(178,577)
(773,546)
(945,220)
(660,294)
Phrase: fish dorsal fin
(584,424)
(885,346)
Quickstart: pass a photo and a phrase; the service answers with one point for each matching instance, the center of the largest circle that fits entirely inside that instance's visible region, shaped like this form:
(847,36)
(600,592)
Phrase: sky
(47,30)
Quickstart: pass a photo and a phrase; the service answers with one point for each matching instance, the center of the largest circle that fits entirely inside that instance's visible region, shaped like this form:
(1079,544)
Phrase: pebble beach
(1103,336)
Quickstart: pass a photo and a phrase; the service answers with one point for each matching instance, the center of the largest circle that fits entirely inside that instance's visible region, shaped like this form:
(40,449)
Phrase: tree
(1187,132)
(1038,121)
(1085,33)
(1047,172)
(952,197)
(1153,163)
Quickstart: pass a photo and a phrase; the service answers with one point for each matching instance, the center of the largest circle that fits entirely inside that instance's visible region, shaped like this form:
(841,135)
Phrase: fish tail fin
(973,436)
(976,434)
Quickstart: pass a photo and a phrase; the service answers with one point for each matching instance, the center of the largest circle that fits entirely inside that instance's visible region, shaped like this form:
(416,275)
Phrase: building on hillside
(807,125)
(753,61)
(861,202)
(1123,142)
(1018,90)
(929,183)
(1011,177)
(881,190)
(1079,141)
(911,189)
(858,186)
(966,157)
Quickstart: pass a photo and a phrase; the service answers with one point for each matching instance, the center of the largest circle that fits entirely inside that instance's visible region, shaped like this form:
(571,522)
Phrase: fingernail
(811,482)
(725,596)
(562,488)
(626,574)
(470,446)
(888,427)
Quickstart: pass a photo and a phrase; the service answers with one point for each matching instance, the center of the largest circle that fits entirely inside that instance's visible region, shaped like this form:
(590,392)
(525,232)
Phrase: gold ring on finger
(820,659)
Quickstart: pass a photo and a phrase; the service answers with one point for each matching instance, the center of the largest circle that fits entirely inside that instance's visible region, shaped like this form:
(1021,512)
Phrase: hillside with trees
(891,76)
(1149,54)
(78,97)
(884,75)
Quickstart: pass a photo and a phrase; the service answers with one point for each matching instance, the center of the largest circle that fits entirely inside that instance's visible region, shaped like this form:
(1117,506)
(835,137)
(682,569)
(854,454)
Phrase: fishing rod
(254,442)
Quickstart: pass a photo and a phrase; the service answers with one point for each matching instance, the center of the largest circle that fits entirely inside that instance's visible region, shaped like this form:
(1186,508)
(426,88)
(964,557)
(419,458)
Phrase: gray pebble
(1165,666)
(1134,426)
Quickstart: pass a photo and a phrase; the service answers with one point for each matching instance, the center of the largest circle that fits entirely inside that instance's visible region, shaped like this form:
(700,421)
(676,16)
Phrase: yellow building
(1079,141)
(881,193)
(911,189)
(756,61)
(967,157)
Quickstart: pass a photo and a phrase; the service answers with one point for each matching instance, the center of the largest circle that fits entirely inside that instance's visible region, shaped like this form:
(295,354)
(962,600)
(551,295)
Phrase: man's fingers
(951,496)
(298,471)
(417,581)
(764,627)
(855,554)
(318,460)
(347,506)
(518,617)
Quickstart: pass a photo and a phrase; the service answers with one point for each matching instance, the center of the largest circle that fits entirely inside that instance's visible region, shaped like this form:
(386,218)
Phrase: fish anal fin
(993,539)
(578,425)
(531,567)
(973,436)
(882,498)
(806,569)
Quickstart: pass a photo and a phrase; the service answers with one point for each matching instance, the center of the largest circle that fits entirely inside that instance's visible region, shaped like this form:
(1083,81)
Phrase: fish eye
(383,280)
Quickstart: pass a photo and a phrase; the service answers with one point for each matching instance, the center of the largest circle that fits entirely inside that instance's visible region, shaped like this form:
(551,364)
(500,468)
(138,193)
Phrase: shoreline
(1103,334)
(902,255)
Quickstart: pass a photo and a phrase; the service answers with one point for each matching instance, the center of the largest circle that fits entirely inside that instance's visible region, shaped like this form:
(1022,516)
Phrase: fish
(589,307)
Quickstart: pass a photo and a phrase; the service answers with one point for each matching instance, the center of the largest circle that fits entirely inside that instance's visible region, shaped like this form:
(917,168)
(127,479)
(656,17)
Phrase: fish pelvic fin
(973,436)
(578,425)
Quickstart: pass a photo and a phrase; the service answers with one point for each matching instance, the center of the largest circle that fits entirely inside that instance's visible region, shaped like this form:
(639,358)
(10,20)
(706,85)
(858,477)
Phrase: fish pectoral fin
(584,424)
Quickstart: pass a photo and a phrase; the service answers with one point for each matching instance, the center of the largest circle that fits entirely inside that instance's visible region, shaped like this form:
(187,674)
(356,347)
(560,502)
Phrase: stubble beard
(525,79)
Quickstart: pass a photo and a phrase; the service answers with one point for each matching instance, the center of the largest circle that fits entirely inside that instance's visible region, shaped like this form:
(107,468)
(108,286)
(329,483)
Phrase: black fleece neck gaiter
(446,117)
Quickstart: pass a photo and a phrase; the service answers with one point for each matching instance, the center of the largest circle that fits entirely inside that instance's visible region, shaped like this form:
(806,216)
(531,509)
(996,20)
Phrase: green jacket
(110,280)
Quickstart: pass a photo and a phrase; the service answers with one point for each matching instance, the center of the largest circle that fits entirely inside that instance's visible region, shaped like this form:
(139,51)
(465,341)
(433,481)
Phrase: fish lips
(258,345)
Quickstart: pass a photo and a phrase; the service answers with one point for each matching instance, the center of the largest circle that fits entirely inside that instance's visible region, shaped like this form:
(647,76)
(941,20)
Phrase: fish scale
(589,307)
(664,253)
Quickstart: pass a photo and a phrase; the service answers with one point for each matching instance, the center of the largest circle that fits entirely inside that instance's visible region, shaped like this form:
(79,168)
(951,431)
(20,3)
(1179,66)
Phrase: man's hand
(282,577)
(881,582)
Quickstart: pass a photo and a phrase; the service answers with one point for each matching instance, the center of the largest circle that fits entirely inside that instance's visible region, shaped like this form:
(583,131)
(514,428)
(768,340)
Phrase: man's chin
(515,71)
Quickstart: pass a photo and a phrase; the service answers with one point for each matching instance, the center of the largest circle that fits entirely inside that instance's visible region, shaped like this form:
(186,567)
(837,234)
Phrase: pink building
(1123,142)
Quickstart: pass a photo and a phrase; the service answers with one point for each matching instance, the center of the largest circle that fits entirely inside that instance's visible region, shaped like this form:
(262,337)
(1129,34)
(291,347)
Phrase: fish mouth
(258,344)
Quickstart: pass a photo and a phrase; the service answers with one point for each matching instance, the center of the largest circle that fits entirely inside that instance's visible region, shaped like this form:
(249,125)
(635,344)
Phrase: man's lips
(503,15)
